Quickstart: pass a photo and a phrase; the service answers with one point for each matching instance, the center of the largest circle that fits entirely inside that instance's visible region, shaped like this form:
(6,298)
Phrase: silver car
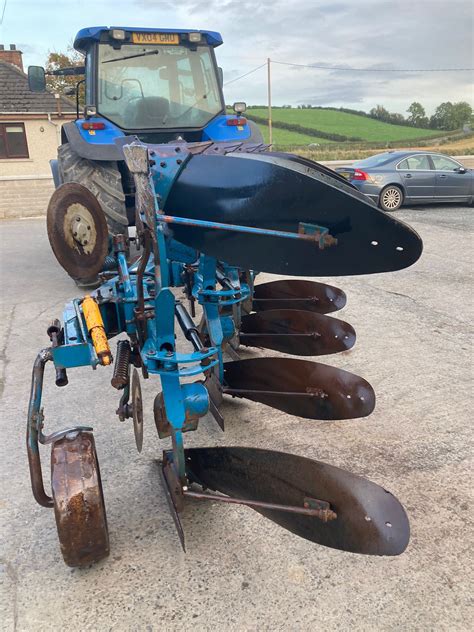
(411,177)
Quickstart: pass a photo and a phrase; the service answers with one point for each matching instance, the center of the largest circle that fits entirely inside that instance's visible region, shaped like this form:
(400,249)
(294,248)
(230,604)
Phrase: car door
(453,181)
(417,177)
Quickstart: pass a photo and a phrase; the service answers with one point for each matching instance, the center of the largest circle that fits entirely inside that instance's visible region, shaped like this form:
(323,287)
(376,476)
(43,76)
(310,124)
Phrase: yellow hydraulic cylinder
(95,327)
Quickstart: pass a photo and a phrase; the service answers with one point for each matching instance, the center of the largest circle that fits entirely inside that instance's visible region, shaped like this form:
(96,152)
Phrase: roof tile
(15,95)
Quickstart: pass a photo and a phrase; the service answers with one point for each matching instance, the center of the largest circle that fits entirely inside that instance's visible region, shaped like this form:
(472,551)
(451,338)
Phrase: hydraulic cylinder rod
(95,327)
(187,325)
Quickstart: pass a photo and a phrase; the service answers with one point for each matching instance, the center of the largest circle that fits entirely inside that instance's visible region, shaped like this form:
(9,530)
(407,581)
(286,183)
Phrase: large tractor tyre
(103,179)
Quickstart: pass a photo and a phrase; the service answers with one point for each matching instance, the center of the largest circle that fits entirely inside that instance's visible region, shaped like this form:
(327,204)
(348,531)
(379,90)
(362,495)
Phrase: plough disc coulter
(298,294)
(361,516)
(300,387)
(297,332)
(276,194)
(207,223)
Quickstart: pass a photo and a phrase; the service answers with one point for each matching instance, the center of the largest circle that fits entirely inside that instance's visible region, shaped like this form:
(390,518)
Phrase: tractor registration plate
(155,38)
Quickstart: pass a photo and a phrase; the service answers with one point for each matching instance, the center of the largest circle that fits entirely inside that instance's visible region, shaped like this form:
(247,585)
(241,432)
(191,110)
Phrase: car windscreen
(375,161)
(157,87)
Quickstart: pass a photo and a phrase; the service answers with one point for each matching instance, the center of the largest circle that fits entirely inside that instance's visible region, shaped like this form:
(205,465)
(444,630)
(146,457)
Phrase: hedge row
(309,131)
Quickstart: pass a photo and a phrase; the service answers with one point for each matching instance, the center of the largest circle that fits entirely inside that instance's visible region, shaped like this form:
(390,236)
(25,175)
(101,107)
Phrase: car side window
(413,163)
(443,163)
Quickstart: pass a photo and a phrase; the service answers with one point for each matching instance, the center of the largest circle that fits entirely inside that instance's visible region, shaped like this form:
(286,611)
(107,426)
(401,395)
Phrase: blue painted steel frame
(118,301)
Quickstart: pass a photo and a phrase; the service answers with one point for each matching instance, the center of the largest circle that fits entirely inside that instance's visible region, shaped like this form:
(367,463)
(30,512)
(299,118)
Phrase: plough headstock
(208,216)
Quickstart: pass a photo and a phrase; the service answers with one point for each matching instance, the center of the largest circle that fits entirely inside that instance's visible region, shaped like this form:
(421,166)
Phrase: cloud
(377,34)
(358,34)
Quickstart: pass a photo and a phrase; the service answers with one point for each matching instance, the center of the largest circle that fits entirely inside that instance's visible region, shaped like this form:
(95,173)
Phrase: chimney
(12,56)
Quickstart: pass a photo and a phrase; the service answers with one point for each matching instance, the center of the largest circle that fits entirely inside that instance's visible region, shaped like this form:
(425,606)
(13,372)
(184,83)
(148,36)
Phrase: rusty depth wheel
(78,500)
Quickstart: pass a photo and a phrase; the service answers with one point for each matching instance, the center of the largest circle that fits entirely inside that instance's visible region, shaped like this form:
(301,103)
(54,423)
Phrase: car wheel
(391,198)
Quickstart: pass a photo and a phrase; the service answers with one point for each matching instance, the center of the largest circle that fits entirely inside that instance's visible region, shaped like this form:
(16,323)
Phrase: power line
(245,75)
(3,12)
(286,63)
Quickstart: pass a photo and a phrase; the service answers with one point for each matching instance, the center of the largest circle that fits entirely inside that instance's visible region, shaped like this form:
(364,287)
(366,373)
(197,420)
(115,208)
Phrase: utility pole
(269,88)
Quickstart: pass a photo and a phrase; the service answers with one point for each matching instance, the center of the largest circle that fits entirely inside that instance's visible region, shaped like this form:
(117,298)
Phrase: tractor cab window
(157,87)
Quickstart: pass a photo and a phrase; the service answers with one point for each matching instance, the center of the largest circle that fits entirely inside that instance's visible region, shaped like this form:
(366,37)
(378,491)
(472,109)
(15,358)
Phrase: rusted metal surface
(78,500)
(146,239)
(82,258)
(34,424)
(136,158)
(121,375)
(174,495)
(296,294)
(315,511)
(56,335)
(300,387)
(370,520)
(162,423)
(298,332)
(137,410)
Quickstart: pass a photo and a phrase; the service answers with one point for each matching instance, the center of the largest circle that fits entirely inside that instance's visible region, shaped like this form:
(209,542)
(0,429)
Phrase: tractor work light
(239,107)
(117,34)
(89,111)
(195,37)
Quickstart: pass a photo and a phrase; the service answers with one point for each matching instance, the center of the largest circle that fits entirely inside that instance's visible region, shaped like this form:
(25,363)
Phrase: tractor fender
(256,135)
(96,151)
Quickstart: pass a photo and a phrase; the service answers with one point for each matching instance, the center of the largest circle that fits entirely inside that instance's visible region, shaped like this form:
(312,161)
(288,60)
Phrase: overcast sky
(388,34)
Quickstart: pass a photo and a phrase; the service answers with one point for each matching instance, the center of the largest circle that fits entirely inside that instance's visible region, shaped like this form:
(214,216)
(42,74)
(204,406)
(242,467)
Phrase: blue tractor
(160,85)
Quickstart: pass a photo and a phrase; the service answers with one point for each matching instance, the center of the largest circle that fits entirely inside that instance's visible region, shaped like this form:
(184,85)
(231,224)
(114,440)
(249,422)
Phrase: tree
(56,61)
(379,112)
(462,113)
(443,116)
(417,116)
(396,119)
(451,115)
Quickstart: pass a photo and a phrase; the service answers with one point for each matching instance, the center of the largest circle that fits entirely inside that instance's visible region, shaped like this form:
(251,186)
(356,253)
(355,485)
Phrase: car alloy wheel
(391,199)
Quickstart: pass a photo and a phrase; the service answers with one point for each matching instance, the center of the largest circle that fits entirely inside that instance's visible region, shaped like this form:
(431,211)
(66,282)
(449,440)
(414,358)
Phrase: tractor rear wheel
(102,178)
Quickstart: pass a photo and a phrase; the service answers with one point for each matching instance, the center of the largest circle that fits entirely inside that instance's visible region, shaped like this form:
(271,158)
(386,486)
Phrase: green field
(333,122)
(286,137)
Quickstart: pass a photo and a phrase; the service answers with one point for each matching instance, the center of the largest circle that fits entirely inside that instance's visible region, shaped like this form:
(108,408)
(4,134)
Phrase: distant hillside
(334,125)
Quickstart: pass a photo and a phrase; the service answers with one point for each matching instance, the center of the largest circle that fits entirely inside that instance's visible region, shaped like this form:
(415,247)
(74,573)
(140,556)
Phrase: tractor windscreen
(157,87)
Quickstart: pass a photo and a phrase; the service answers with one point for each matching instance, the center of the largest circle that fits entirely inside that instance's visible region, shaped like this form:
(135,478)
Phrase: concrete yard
(241,571)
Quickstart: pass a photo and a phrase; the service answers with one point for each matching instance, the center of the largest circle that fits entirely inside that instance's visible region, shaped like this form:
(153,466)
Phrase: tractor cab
(160,86)
(157,84)
(152,82)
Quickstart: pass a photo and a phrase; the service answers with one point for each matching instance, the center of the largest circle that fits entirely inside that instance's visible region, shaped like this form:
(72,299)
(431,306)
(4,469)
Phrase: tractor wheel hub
(79,227)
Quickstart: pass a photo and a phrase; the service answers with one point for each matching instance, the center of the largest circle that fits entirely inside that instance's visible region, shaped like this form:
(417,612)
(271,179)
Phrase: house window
(13,141)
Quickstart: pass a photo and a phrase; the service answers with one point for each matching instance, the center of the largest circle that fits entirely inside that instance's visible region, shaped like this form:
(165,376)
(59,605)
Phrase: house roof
(15,96)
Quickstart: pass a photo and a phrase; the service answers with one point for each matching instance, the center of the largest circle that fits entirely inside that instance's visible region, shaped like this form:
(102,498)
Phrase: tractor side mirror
(36,79)
(239,107)
(220,74)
